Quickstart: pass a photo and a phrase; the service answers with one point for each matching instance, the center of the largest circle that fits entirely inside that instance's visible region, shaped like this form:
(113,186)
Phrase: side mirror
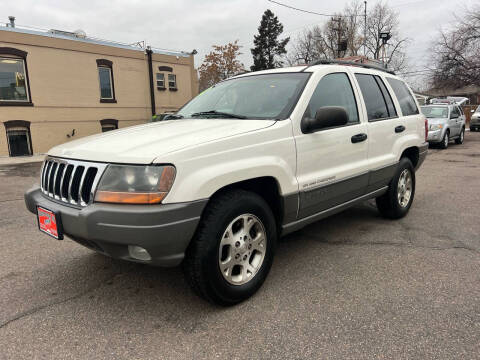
(472,111)
(325,117)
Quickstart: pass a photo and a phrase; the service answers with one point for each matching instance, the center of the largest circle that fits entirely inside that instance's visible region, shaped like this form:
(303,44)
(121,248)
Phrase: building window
(109,124)
(19,139)
(14,86)
(160,81)
(105,77)
(172,82)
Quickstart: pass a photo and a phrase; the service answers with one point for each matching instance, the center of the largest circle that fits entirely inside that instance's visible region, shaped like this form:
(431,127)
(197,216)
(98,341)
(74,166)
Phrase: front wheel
(232,251)
(445,140)
(396,202)
(460,138)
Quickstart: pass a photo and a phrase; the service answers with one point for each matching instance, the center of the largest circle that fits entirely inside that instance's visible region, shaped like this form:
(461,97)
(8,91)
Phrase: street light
(385,36)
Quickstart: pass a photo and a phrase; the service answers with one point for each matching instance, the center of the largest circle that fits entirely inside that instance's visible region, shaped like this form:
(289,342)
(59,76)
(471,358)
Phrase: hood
(436,120)
(143,143)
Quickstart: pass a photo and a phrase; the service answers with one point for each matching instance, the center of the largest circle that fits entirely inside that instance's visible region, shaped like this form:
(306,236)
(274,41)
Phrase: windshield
(269,96)
(478,109)
(435,111)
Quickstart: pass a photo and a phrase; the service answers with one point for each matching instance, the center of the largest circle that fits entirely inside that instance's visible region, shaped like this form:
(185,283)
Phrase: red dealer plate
(49,223)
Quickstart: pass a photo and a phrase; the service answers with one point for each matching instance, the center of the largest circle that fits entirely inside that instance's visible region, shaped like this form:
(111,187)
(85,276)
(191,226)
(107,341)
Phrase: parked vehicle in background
(248,160)
(475,120)
(445,122)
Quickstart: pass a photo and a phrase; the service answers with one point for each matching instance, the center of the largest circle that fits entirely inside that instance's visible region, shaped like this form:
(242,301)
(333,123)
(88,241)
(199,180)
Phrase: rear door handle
(359,138)
(399,129)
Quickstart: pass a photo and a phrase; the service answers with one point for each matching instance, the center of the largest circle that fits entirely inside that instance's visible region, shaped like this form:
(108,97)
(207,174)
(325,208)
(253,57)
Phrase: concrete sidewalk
(21,159)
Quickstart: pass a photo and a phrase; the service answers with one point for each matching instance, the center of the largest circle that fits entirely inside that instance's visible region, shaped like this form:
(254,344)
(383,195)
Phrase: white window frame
(26,78)
(162,81)
(100,82)
(174,81)
(27,134)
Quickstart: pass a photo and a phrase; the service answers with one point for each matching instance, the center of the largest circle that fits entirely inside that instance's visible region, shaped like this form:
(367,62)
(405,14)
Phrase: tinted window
(386,96)
(104,74)
(405,98)
(334,90)
(374,101)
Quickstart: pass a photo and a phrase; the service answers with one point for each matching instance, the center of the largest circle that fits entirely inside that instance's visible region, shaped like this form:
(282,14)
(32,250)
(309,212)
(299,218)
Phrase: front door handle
(400,129)
(359,138)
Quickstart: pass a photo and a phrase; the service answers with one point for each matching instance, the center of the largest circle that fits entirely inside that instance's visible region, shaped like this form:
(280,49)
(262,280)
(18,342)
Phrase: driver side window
(334,90)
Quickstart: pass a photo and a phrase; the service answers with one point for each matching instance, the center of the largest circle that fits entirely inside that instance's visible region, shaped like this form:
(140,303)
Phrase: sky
(189,24)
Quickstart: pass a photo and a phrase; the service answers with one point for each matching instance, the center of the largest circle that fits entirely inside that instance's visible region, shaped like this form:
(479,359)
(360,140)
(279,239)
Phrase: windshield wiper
(173,117)
(219,113)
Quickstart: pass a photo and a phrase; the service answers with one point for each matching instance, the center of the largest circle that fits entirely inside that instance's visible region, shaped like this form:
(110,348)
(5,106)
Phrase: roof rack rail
(350,63)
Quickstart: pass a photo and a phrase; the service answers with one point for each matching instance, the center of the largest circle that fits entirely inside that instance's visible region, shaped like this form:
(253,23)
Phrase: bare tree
(347,28)
(383,19)
(456,54)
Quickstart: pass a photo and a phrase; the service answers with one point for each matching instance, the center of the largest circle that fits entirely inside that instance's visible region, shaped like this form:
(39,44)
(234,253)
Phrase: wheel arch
(267,187)
(413,154)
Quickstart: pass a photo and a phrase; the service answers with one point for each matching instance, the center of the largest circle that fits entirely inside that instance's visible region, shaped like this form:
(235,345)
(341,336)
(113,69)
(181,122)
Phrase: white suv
(250,159)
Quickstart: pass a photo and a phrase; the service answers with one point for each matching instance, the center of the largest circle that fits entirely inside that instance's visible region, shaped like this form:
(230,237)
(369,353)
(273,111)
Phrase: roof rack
(350,63)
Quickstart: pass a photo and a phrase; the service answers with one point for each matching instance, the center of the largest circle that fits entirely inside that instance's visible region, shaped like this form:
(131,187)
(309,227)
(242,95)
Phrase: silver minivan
(445,122)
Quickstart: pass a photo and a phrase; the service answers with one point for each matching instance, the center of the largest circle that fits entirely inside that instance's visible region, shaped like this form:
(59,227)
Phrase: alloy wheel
(404,188)
(242,249)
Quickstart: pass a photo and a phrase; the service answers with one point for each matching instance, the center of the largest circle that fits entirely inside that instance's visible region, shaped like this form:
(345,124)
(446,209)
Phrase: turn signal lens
(130,197)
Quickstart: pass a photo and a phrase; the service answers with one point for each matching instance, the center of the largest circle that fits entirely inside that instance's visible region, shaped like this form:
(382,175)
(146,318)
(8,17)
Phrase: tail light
(426,129)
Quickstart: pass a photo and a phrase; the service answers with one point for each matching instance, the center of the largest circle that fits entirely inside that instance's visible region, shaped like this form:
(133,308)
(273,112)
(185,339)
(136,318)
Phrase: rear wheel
(396,202)
(460,138)
(232,252)
(445,140)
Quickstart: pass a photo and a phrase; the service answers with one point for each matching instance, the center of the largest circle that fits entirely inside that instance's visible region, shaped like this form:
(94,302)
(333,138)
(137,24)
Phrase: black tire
(388,204)
(445,140)
(473,129)
(461,137)
(201,264)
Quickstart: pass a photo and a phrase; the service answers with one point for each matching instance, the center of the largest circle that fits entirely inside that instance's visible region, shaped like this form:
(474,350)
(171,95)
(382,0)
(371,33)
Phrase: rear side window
(373,97)
(387,97)
(334,90)
(404,96)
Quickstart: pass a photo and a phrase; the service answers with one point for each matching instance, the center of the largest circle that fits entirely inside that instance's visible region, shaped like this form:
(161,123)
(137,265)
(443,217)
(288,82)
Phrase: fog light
(139,253)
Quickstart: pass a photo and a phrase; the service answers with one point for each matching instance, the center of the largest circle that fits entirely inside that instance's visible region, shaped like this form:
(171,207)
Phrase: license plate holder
(49,222)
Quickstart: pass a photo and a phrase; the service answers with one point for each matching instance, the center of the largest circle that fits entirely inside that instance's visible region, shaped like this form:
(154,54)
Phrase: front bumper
(435,136)
(163,230)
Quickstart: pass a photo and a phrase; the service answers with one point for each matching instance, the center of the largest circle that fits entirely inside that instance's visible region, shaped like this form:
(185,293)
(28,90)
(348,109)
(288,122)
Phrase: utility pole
(365,31)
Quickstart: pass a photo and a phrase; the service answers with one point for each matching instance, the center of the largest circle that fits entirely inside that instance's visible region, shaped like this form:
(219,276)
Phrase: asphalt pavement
(353,286)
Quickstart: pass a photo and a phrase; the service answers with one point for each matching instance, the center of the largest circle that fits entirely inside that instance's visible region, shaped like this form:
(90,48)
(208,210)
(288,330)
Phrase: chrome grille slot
(51,177)
(66,181)
(58,179)
(76,181)
(71,181)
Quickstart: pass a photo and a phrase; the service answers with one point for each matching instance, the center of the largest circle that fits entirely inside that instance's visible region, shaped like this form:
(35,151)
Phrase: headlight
(434,127)
(135,184)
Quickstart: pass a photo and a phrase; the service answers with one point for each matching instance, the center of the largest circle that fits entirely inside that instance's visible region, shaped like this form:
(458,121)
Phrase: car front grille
(70,181)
